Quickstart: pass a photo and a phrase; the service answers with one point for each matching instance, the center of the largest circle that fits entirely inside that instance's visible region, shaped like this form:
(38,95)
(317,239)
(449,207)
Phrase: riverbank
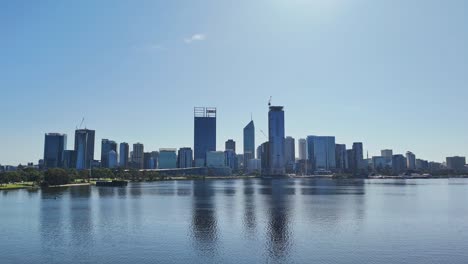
(15,186)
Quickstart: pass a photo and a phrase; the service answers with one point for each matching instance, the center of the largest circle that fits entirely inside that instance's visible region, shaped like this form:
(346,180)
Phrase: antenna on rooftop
(269,101)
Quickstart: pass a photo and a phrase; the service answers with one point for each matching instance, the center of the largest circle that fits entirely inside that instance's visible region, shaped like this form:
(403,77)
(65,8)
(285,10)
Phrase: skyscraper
(276,139)
(398,164)
(185,158)
(124,153)
(456,163)
(69,159)
(230,145)
(302,149)
(410,160)
(290,153)
(84,147)
(54,145)
(167,158)
(321,152)
(107,146)
(138,155)
(112,159)
(204,133)
(341,157)
(358,156)
(230,159)
(249,142)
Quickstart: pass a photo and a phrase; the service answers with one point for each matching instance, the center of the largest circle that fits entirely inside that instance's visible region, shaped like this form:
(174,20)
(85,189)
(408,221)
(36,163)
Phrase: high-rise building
(398,164)
(359,156)
(124,153)
(107,146)
(259,152)
(69,159)
(249,142)
(302,149)
(321,152)
(230,159)
(265,160)
(240,161)
(167,158)
(185,158)
(379,163)
(290,153)
(112,159)
(410,160)
(149,163)
(54,145)
(230,145)
(351,161)
(341,157)
(84,147)
(155,158)
(387,153)
(215,159)
(204,133)
(456,163)
(422,165)
(138,152)
(276,135)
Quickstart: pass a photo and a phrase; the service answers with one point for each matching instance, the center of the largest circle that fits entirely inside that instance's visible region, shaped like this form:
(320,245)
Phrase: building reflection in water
(81,216)
(204,223)
(278,194)
(52,220)
(249,208)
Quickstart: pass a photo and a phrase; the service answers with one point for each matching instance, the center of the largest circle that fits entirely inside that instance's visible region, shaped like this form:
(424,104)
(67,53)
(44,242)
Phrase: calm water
(239,221)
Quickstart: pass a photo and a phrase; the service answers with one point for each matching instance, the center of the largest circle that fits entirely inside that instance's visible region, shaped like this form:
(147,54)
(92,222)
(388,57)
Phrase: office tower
(107,146)
(254,166)
(387,153)
(410,161)
(230,159)
(54,145)
(290,153)
(155,159)
(112,159)
(341,157)
(351,161)
(124,153)
(69,159)
(422,165)
(249,142)
(456,163)
(204,133)
(84,147)
(167,158)
(259,152)
(265,160)
(230,145)
(379,163)
(276,138)
(302,149)
(148,161)
(321,152)
(215,159)
(399,164)
(359,156)
(137,158)
(240,161)
(185,158)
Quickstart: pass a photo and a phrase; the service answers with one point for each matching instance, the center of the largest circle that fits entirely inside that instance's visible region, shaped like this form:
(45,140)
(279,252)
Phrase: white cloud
(195,37)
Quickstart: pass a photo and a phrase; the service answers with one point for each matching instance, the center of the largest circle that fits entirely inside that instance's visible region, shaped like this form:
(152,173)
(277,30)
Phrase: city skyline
(393,76)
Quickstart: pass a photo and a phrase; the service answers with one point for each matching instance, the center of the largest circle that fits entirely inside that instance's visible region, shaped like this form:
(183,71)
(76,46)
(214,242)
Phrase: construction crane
(264,134)
(81,124)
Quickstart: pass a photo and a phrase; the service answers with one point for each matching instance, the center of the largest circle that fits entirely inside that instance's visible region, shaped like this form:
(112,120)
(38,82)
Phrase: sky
(390,74)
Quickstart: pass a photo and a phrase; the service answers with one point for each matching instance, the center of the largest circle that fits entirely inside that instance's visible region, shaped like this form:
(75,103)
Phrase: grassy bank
(13,186)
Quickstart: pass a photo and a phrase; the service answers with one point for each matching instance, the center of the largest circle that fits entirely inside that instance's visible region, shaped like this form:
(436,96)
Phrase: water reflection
(278,203)
(204,223)
(249,208)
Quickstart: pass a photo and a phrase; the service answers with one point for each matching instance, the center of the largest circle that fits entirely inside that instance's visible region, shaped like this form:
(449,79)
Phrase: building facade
(290,153)
(84,147)
(204,133)
(124,152)
(54,145)
(167,158)
(341,157)
(302,144)
(398,164)
(456,163)
(410,161)
(185,158)
(249,142)
(215,159)
(321,152)
(138,155)
(107,146)
(230,145)
(276,137)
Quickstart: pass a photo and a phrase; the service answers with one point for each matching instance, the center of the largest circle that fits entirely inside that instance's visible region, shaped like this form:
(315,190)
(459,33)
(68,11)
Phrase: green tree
(56,177)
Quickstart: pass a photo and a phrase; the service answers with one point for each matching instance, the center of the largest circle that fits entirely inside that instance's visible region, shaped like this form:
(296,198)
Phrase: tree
(56,177)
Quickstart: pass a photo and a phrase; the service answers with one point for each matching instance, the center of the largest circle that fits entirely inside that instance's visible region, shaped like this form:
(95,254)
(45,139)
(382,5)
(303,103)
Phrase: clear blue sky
(392,74)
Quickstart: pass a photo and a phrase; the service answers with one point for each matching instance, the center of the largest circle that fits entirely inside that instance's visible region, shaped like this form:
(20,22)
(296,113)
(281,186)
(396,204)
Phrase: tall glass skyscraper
(249,142)
(84,147)
(106,147)
(124,152)
(290,153)
(321,153)
(185,157)
(204,133)
(54,145)
(276,139)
